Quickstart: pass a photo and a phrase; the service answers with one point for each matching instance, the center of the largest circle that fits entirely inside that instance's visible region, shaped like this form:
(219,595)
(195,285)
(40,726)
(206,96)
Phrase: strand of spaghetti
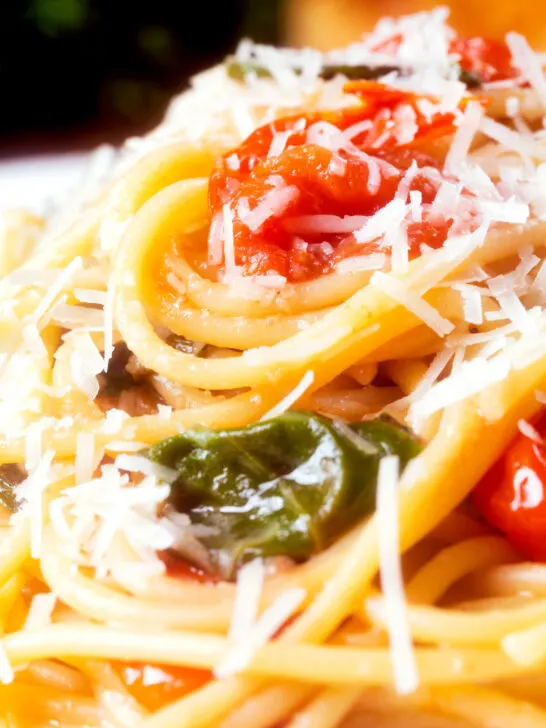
(58,675)
(205,608)
(454,562)
(234,332)
(511,579)
(95,600)
(525,687)
(117,703)
(528,646)
(74,402)
(437,625)
(435,477)
(459,526)
(14,550)
(485,706)
(291,298)
(9,593)
(407,373)
(47,703)
(330,289)
(310,663)
(270,706)
(159,169)
(530,106)
(341,330)
(326,710)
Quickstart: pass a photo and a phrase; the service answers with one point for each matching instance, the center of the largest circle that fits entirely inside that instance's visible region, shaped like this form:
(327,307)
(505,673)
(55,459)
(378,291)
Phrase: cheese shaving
(406,678)
(292,397)
(413,302)
(40,611)
(250,581)
(268,624)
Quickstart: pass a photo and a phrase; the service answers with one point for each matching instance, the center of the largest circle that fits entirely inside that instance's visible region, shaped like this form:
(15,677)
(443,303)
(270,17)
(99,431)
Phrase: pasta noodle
(319,271)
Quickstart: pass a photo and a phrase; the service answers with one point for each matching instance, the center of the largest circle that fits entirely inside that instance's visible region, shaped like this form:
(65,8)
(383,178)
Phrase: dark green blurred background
(75,72)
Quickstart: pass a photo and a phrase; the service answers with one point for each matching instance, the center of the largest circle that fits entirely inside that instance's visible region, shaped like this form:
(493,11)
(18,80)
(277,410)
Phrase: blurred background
(75,73)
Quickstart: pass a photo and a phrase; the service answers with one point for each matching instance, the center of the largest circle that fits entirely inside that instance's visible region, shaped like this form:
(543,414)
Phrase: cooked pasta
(271,428)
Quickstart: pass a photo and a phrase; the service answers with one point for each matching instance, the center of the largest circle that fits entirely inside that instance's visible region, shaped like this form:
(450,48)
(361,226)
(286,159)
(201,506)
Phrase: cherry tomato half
(511,495)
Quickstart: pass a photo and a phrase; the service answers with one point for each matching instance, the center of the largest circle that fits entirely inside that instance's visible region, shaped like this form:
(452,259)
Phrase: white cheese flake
(40,611)
(406,677)
(292,397)
(267,625)
(413,302)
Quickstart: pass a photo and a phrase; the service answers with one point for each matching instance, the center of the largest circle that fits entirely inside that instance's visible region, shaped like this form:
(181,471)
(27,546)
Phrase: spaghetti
(271,430)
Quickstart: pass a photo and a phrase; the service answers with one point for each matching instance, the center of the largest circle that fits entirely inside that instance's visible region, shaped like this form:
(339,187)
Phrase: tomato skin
(155,686)
(511,495)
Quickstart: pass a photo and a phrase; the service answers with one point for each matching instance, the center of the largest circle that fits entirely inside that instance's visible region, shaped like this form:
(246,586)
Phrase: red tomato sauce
(340,163)
(178,568)
(155,686)
(511,495)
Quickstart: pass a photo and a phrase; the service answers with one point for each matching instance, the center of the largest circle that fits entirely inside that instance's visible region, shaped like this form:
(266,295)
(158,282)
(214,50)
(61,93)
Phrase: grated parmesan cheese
(530,432)
(246,605)
(85,457)
(229,246)
(57,288)
(467,127)
(40,611)
(413,302)
(31,493)
(7,674)
(86,363)
(141,464)
(90,295)
(268,624)
(406,678)
(528,62)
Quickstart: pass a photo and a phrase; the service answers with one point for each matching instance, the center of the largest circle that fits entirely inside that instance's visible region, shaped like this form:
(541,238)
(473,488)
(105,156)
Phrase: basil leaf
(287,486)
(10,477)
(472,80)
(239,70)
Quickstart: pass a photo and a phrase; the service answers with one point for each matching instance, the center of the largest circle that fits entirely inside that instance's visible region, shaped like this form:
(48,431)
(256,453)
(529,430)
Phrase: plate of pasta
(271,402)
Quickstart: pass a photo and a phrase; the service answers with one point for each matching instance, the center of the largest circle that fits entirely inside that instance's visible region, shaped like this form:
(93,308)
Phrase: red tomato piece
(511,495)
(489,59)
(290,169)
(155,686)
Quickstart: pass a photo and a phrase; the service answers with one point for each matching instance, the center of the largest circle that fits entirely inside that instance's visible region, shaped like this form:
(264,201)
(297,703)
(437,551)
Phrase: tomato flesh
(511,494)
(314,172)
(155,686)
